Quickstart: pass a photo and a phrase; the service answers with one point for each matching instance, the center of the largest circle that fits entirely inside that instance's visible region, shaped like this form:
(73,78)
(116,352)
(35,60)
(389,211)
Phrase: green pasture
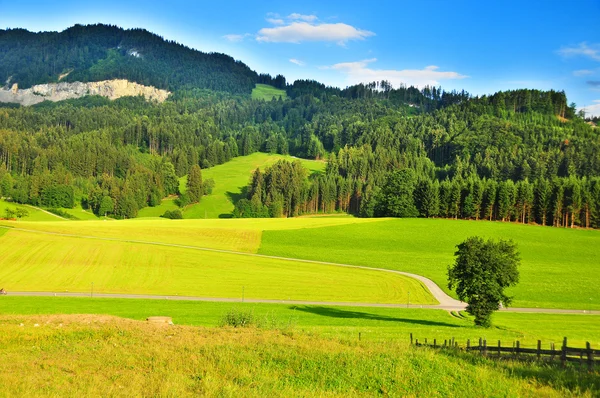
(230,179)
(267,93)
(560,267)
(34,213)
(167,204)
(386,324)
(32,261)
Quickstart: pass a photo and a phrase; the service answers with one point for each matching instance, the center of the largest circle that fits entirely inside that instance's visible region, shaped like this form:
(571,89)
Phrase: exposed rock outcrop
(111,89)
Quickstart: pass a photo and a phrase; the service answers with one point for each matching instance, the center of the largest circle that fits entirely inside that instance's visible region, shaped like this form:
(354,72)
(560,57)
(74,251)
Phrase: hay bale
(164,320)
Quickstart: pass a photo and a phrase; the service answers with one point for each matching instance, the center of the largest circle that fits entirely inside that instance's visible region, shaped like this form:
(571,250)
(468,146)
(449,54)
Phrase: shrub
(238,319)
(173,214)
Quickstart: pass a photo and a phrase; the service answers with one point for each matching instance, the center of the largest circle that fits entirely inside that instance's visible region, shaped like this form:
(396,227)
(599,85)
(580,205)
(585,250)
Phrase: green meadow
(373,323)
(31,261)
(34,213)
(553,275)
(266,92)
(82,355)
(560,268)
(230,179)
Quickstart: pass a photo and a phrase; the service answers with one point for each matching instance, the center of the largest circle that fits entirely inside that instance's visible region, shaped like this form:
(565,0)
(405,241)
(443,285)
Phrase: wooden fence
(583,356)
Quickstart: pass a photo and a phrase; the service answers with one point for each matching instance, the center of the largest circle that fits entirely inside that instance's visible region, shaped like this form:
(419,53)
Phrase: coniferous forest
(522,155)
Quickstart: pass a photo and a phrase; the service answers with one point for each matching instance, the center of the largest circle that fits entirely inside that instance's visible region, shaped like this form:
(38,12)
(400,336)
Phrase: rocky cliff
(112,89)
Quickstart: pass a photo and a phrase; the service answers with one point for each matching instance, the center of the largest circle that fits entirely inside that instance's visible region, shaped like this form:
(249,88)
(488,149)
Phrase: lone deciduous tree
(481,272)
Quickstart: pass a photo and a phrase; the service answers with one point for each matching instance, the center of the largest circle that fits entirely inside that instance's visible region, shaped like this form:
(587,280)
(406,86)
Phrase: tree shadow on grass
(572,378)
(234,197)
(339,313)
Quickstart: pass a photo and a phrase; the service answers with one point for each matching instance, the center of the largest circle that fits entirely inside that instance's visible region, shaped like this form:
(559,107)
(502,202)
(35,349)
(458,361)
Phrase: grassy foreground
(100,356)
(230,179)
(560,267)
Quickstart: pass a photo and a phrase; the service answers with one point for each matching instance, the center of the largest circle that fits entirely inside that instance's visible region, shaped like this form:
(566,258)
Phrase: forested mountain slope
(517,155)
(103,52)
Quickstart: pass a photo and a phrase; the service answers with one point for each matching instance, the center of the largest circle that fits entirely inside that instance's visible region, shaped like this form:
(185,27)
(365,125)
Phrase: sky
(479,46)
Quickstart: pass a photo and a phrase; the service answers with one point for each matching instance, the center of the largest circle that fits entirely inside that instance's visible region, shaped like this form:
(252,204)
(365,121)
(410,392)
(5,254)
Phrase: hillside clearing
(266,92)
(230,179)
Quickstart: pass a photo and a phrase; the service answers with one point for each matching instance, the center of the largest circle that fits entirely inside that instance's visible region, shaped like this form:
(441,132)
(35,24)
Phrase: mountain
(103,52)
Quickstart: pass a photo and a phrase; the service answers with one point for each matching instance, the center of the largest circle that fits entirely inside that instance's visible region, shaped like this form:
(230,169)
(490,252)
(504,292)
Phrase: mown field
(267,93)
(31,261)
(230,178)
(560,268)
(553,274)
(100,356)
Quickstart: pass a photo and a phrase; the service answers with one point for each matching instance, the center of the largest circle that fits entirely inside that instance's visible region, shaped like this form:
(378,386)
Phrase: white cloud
(236,38)
(297,32)
(592,110)
(297,62)
(359,72)
(275,21)
(583,49)
(301,17)
(583,72)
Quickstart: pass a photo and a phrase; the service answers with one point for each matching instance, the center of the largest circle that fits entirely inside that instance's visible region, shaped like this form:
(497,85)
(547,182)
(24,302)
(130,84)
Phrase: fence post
(539,350)
(563,355)
(484,347)
(425,341)
(417,342)
(590,356)
(411,339)
(445,343)
(518,347)
(499,346)
(480,346)
(553,352)
(468,344)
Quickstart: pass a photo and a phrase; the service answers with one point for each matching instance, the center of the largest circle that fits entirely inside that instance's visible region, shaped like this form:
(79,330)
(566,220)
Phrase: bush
(173,214)
(238,319)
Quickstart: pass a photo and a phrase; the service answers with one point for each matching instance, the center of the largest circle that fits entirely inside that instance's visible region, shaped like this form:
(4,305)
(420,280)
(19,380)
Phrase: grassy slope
(382,324)
(104,356)
(230,178)
(35,214)
(56,263)
(267,93)
(560,267)
(231,234)
(157,211)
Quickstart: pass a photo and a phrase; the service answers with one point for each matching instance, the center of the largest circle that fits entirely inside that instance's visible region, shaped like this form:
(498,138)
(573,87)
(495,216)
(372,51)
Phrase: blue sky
(478,46)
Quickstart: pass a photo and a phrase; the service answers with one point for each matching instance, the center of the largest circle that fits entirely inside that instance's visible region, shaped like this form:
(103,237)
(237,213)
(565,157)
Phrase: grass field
(551,272)
(57,263)
(230,178)
(560,267)
(81,214)
(157,211)
(381,324)
(34,214)
(267,93)
(105,356)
